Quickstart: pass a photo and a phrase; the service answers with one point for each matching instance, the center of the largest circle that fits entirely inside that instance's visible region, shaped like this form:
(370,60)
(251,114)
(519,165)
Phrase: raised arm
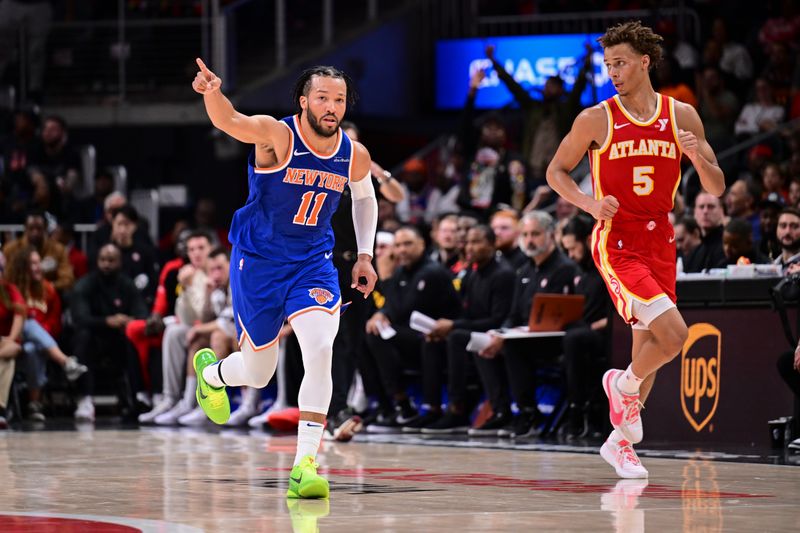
(692,138)
(257,129)
(588,131)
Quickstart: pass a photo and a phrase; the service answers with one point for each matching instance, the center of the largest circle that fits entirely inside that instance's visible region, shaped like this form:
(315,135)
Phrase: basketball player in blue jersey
(282,240)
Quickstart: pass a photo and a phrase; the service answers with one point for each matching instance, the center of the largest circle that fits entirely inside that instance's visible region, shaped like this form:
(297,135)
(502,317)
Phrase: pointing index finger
(203,67)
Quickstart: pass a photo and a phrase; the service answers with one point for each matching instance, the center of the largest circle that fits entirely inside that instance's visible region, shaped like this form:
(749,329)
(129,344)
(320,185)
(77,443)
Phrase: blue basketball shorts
(265,292)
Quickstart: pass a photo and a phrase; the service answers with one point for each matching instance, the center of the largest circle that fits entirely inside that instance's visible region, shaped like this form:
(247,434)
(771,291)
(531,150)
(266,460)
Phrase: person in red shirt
(635,142)
(41,325)
(12,316)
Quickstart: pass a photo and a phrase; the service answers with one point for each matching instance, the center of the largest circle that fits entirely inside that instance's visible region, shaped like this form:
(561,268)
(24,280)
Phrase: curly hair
(19,273)
(641,38)
(303,84)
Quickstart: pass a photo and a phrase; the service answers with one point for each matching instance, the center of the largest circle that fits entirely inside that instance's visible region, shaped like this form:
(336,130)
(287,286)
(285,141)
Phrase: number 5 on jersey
(642,182)
(300,217)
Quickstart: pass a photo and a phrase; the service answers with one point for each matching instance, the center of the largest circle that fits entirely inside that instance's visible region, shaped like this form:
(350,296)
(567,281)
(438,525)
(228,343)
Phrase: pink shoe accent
(623,409)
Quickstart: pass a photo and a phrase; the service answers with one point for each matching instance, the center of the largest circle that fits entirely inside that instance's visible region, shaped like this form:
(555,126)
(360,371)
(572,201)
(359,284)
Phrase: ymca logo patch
(321,296)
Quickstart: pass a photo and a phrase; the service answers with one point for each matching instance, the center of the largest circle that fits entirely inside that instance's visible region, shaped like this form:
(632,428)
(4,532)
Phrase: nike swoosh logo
(616,127)
(328,255)
(297,480)
(300,153)
(200,391)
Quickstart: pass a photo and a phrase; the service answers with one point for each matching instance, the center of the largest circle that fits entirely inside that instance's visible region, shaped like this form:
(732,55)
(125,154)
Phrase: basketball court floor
(189,480)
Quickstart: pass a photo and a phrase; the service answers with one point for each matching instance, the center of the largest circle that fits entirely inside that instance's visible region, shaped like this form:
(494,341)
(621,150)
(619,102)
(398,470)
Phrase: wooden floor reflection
(188,480)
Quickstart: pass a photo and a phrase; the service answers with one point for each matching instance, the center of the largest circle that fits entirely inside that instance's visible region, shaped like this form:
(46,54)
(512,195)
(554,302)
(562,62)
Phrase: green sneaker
(304,482)
(214,401)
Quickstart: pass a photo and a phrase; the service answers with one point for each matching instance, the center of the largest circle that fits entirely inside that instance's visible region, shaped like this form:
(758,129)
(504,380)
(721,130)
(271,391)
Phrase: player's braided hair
(303,84)
(641,38)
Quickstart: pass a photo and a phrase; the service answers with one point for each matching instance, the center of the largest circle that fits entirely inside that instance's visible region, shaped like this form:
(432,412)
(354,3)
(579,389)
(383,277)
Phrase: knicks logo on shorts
(321,296)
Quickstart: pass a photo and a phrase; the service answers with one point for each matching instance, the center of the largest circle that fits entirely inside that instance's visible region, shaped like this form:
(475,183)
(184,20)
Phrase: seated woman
(42,324)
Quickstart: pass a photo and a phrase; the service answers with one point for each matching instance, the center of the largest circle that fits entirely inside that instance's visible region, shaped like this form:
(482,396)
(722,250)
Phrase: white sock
(309,435)
(190,389)
(211,375)
(250,397)
(628,383)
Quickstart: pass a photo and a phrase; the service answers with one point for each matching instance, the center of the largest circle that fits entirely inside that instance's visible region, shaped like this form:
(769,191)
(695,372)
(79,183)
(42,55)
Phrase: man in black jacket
(486,298)
(103,302)
(418,285)
(709,216)
(548,271)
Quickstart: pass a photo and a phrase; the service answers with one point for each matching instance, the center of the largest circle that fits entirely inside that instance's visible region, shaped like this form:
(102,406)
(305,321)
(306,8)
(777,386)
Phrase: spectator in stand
(780,72)
(148,333)
(16,153)
(103,303)
(783,25)
(741,200)
(92,207)
(55,263)
(445,238)
(12,318)
(191,307)
(547,120)
(387,185)
(102,234)
(794,191)
(418,285)
(64,233)
(734,58)
(761,115)
(138,258)
(420,199)
(587,342)
(505,225)
(205,214)
(668,83)
(486,300)
(770,208)
(56,166)
(737,243)
(789,237)
(709,216)
(548,271)
(718,108)
(684,53)
(41,327)
(687,238)
(773,182)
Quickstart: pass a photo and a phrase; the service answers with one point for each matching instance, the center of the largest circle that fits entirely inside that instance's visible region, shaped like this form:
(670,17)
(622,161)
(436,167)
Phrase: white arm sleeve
(365,213)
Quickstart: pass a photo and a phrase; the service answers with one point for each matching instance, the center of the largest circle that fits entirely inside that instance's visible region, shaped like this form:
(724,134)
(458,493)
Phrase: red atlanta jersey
(639,162)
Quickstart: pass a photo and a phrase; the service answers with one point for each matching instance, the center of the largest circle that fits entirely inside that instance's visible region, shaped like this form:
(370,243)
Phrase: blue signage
(529,59)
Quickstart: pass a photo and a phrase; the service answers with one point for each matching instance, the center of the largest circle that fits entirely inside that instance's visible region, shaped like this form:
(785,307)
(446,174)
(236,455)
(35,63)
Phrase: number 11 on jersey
(300,217)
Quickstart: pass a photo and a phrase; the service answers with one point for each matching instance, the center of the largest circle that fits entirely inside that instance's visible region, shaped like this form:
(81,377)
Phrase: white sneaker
(258,421)
(85,410)
(795,444)
(162,406)
(170,418)
(624,459)
(196,417)
(242,416)
(623,409)
(73,369)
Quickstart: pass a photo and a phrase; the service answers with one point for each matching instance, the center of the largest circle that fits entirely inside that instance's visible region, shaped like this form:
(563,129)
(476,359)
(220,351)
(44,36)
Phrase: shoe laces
(627,454)
(631,406)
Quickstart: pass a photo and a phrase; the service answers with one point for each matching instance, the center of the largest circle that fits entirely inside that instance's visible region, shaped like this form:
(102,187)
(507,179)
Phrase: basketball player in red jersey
(635,141)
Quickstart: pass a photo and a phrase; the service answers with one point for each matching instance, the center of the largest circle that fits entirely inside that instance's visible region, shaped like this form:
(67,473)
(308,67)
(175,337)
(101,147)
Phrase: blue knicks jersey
(289,207)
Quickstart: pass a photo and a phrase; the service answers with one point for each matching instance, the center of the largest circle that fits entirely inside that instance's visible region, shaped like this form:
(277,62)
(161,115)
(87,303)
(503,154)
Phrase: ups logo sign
(700,371)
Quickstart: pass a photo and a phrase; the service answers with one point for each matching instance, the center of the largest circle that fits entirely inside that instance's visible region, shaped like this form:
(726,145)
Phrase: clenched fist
(605,208)
(205,82)
(688,142)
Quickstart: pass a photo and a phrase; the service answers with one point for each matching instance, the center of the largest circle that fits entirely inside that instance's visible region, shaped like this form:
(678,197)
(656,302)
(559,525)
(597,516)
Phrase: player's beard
(317,126)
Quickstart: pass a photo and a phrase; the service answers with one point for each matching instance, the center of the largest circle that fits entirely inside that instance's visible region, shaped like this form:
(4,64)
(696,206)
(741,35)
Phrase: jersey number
(642,182)
(311,220)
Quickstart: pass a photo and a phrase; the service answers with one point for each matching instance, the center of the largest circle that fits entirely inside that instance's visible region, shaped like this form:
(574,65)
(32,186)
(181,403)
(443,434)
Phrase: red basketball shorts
(637,260)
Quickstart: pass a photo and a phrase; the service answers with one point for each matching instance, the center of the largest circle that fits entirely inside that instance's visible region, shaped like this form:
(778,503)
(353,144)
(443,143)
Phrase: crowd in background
(468,233)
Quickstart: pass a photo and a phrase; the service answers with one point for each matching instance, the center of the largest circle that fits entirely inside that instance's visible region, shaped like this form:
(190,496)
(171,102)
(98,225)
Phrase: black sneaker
(35,413)
(391,422)
(492,426)
(525,425)
(449,424)
(343,426)
(420,421)
(577,425)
